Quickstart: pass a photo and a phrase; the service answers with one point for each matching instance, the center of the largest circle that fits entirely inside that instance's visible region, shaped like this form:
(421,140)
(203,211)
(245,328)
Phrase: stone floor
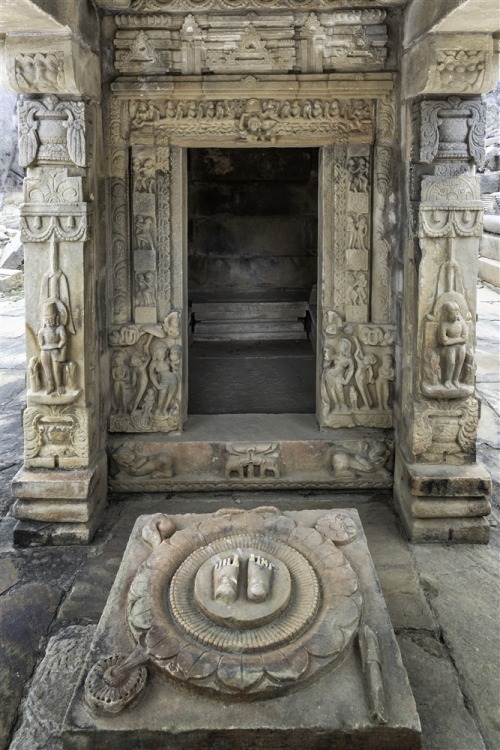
(443,600)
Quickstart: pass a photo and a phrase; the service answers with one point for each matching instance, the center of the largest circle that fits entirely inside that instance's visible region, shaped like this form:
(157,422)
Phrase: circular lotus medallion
(246,603)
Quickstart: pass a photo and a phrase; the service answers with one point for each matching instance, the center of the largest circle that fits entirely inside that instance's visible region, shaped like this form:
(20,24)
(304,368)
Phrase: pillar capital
(50,64)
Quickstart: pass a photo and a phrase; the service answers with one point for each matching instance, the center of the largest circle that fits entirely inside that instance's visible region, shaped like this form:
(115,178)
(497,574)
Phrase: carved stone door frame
(147,232)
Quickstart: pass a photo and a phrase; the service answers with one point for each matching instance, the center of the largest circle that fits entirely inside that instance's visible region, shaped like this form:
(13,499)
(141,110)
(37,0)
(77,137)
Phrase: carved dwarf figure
(130,460)
(52,339)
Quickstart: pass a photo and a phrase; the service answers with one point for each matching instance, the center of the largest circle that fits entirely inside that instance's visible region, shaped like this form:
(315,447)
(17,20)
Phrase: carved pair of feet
(227,574)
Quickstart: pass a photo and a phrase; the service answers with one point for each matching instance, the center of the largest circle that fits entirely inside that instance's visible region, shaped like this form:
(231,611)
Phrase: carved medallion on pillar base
(441,502)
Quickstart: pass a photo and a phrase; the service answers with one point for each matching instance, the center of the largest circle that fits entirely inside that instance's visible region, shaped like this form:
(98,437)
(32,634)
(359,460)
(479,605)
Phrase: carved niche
(451,210)
(257,603)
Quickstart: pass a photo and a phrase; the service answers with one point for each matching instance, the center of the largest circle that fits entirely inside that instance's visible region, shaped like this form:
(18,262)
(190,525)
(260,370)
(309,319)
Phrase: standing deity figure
(52,339)
(452,335)
(338,373)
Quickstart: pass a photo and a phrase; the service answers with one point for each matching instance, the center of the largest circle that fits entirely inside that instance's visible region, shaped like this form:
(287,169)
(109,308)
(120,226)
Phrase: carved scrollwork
(40,71)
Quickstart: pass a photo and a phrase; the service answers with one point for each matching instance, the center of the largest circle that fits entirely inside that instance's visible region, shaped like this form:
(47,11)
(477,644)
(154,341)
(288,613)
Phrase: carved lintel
(251,121)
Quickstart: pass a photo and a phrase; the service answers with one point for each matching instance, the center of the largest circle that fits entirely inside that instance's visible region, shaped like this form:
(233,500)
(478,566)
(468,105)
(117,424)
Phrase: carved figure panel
(253,121)
(358,369)
(450,212)
(146,364)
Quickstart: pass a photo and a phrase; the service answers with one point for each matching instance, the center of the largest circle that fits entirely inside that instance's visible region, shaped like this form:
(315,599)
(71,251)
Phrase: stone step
(489,271)
(249,321)
(10,279)
(490,246)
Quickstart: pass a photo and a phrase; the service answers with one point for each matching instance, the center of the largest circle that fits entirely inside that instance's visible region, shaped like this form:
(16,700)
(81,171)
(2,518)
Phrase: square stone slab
(333,679)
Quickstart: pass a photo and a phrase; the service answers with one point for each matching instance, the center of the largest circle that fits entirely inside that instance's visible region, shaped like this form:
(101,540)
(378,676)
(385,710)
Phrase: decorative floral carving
(51,130)
(461,70)
(55,436)
(114,682)
(40,71)
(339,527)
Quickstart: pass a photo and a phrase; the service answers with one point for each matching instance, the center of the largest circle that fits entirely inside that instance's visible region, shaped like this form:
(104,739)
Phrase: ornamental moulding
(155,6)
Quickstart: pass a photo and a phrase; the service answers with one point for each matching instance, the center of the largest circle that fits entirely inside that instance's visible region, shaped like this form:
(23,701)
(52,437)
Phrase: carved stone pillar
(61,488)
(440,490)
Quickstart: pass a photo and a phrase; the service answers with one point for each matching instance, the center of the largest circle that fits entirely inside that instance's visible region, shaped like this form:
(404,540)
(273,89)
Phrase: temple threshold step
(218,321)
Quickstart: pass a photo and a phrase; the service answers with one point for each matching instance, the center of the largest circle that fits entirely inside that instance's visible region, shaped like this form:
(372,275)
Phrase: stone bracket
(51,65)
(450,64)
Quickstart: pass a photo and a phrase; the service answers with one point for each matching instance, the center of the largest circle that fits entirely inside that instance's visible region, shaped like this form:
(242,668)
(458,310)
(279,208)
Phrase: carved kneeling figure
(130,460)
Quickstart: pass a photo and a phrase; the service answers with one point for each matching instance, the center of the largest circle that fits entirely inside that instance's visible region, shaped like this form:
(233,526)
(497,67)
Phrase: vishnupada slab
(220,625)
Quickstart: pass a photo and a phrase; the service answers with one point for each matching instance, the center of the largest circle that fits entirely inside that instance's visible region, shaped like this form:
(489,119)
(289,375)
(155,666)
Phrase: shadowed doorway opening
(252,270)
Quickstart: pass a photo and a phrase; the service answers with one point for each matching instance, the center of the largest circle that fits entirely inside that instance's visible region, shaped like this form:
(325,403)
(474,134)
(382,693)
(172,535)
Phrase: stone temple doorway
(252,275)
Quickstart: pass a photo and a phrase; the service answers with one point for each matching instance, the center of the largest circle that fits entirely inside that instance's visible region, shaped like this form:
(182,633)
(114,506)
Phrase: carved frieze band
(244,121)
(152,6)
(270,43)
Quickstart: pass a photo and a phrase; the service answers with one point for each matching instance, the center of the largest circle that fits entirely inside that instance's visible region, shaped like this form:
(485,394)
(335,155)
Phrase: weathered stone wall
(253,223)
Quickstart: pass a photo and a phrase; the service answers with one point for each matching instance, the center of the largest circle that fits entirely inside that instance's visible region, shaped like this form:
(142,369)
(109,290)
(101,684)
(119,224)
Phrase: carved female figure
(121,378)
(338,374)
(452,335)
(386,373)
(163,379)
(139,363)
(364,375)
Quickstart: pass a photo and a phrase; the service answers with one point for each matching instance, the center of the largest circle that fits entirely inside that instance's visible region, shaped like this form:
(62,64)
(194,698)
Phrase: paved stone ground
(443,600)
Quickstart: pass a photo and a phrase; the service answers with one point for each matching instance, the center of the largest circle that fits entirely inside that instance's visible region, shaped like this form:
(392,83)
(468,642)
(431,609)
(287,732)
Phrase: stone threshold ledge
(259,451)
